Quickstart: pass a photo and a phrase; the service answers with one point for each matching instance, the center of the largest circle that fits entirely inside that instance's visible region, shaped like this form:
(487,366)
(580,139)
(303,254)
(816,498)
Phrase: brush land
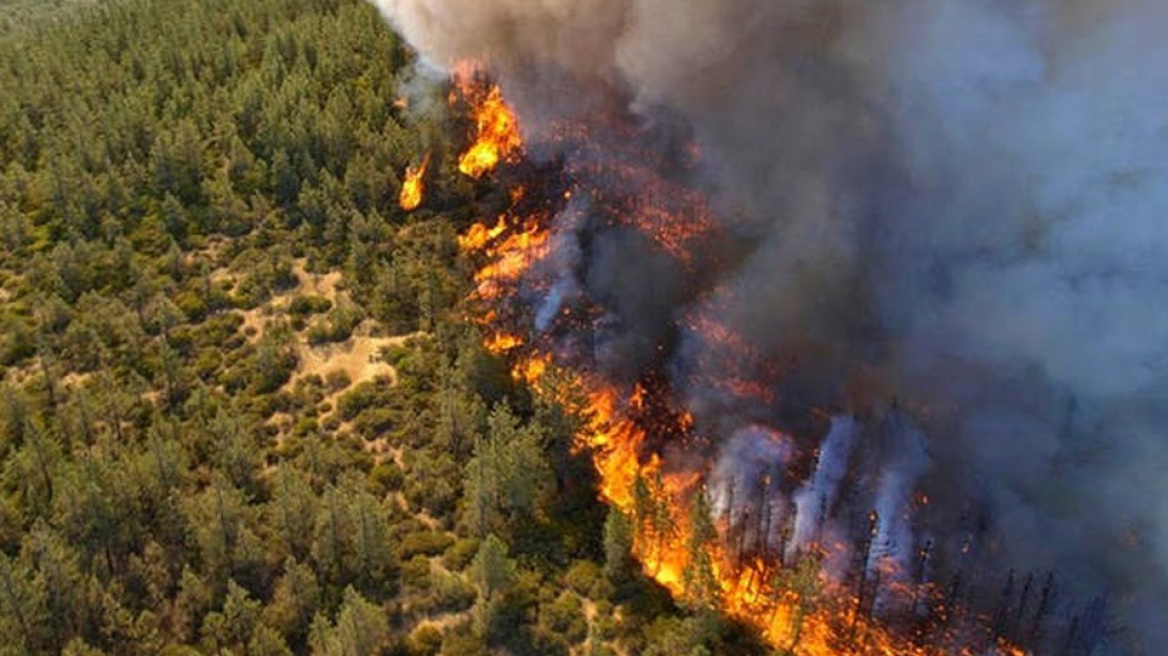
(241,410)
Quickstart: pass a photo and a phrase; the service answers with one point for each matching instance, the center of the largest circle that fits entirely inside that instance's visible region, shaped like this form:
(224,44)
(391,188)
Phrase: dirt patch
(315,283)
(222,275)
(359,357)
(445,621)
(75,380)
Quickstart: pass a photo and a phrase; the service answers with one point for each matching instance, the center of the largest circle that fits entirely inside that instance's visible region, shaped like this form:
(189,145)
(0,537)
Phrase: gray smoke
(956,203)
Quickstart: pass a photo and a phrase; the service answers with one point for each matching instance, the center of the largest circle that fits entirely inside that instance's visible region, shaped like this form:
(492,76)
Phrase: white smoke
(751,462)
(819,494)
(893,545)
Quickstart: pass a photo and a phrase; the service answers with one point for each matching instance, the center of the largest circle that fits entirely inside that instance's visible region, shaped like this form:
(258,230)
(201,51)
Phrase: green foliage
(618,547)
(432,479)
(565,617)
(351,543)
(426,543)
(361,629)
(585,578)
(460,554)
(508,476)
(23,602)
(307,304)
(426,640)
(294,603)
(338,326)
(493,573)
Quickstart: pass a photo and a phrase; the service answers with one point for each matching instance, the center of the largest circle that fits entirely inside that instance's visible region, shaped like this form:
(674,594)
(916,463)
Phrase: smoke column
(954,203)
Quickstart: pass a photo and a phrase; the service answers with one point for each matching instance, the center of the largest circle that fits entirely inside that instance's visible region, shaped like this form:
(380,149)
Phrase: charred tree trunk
(1002,614)
(1016,625)
(1043,606)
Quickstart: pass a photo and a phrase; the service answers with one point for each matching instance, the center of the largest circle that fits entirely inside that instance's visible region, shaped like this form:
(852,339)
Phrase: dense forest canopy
(240,408)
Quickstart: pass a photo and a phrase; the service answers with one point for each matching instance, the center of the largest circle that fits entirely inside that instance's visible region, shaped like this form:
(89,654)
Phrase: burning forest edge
(810,526)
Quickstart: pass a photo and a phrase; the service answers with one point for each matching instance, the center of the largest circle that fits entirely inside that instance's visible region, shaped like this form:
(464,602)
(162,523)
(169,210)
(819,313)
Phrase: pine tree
(493,573)
(361,629)
(24,617)
(701,585)
(618,546)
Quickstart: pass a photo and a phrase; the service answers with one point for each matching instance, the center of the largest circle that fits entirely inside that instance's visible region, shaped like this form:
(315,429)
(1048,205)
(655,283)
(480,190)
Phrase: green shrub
(307,304)
(426,543)
(582,577)
(337,380)
(415,573)
(363,396)
(426,640)
(452,594)
(565,617)
(374,422)
(387,476)
(459,555)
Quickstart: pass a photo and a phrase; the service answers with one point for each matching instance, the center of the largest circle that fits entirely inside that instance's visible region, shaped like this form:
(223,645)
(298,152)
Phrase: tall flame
(413,187)
(496,129)
(795,606)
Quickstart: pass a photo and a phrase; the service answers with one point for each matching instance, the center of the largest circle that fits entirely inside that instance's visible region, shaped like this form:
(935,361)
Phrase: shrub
(337,380)
(387,476)
(307,304)
(415,573)
(426,640)
(459,554)
(582,577)
(427,543)
(374,422)
(363,396)
(566,617)
(451,593)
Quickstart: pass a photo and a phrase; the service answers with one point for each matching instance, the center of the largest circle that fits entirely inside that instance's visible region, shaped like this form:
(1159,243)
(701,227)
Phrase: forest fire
(413,188)
(810,587)
(852,247)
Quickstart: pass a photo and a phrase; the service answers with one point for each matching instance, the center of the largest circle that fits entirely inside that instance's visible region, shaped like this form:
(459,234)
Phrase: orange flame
(413,188)
(496,130)
(479,236)
(503,342)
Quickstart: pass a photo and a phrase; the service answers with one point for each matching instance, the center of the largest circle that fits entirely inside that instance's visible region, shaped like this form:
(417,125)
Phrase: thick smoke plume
(954,205)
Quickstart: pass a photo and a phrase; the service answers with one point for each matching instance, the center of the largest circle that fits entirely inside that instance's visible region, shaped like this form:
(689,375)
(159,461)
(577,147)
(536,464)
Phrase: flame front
(794,603)
(413,187)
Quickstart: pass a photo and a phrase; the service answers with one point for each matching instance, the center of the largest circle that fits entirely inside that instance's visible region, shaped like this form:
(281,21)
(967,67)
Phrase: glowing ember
(413,188)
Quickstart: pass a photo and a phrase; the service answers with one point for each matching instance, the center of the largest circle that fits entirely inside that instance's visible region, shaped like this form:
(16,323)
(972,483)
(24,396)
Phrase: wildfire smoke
(898,266)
